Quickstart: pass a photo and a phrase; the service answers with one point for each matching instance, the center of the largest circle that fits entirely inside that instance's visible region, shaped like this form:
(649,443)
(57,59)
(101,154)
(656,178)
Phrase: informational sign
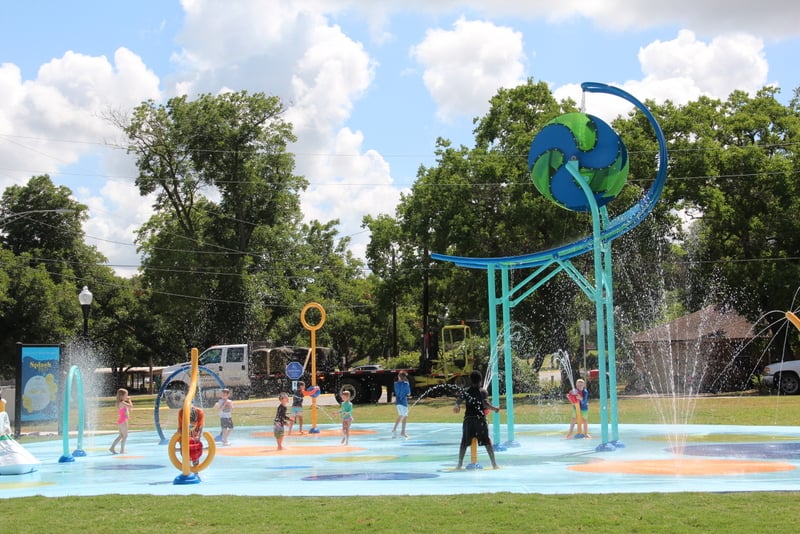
(294,370)
(38,379)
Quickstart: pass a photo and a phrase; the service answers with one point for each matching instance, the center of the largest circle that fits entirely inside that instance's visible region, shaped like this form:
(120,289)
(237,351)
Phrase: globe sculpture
(600,153)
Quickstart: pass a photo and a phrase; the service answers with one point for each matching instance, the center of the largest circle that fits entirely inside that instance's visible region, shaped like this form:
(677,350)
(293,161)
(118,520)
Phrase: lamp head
(85,296)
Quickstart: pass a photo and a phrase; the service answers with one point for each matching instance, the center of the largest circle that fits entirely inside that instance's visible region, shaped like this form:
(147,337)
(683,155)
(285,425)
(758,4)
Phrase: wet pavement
(656,458)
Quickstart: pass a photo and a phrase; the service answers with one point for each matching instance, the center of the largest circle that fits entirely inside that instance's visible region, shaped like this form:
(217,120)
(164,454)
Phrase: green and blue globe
(601,156)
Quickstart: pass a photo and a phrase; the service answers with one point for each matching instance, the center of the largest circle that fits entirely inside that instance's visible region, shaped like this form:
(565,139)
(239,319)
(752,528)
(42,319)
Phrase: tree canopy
(228,257)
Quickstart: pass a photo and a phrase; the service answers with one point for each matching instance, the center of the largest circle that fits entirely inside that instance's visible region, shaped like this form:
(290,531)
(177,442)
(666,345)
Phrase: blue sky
(369,85)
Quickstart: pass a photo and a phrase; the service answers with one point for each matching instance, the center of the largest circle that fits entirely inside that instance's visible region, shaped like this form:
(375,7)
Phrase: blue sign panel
(38,382)
(294,370)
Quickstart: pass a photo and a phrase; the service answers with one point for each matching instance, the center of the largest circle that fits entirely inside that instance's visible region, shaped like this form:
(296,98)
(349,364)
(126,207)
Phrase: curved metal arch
(617,227)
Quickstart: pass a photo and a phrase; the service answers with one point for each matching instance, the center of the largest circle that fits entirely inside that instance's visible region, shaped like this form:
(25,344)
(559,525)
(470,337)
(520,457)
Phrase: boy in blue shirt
(402,389)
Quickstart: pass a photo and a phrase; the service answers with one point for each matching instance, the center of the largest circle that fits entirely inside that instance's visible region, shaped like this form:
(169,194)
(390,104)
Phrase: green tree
(737,167)
(480,202)
(226,257)
(45,263)
(42,219)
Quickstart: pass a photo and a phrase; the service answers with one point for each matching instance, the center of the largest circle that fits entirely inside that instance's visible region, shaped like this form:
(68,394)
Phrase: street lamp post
(85,298)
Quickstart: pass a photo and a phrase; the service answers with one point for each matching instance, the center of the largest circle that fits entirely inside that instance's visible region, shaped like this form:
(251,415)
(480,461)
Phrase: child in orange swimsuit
(124,406)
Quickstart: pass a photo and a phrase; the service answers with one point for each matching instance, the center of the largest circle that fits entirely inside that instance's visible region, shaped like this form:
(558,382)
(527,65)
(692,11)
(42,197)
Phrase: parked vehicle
(254,368)
(784,376)
(451,366)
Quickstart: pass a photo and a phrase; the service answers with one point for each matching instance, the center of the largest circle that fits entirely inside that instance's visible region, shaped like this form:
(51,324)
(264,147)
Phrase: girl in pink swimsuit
(124,406)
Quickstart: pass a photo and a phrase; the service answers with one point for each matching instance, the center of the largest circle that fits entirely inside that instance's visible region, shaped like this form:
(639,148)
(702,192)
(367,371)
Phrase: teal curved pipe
(615,228)
(74,375)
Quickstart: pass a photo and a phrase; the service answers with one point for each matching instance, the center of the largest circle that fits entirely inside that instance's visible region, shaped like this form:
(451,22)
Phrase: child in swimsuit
(124,406)
(346,411)
(281,419)
(225,405)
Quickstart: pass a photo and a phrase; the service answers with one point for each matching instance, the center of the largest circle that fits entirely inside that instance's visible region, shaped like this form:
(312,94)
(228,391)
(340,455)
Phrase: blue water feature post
(73,375)
(492,291)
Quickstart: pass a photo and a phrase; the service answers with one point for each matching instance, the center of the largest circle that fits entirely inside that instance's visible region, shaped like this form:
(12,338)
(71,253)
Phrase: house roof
(711,322)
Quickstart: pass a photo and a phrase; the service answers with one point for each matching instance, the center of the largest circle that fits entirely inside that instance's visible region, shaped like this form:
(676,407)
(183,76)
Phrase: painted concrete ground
(712,459)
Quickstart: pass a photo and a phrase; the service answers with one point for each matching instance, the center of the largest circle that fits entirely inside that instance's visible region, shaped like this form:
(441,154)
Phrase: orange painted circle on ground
(683,467)
(326,432)
(310,450)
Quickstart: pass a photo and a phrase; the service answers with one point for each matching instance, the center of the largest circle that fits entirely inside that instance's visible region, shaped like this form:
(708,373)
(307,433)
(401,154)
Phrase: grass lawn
(497,512)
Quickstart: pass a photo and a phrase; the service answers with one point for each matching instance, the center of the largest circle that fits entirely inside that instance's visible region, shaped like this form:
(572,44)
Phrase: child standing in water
(281,419)
(297,407)
(225,405)
(346,411)
(579,398)
(402,389)
(476,401)
(124,406)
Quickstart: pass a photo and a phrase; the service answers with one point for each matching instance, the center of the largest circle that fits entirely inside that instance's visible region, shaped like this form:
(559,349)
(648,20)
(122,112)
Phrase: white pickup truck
(784,376)
(245,368)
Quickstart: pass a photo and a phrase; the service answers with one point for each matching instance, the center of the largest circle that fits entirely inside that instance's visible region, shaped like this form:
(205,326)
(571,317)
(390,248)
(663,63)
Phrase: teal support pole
(598,296)
(493,349)
(509,375)
(612,348)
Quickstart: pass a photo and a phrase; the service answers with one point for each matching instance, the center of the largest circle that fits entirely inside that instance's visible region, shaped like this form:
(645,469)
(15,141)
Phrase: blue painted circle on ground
(372,476)
(746,450)
(127,467)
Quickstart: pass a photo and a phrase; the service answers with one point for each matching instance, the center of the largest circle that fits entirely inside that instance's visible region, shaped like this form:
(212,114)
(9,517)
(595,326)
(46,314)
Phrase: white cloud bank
(296,50)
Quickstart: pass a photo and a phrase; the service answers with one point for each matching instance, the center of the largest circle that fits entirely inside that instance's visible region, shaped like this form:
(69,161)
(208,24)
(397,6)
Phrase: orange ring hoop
(321,311)
(210,452)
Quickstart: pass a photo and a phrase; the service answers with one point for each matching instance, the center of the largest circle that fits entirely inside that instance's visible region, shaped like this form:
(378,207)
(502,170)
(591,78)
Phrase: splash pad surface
(656,458)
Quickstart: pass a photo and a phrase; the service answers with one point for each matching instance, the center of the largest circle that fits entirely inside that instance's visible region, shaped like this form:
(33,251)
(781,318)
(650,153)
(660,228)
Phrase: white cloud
(716,68)
(768,18)
(465,67)
(352,183)
(773,19)
(48,124)
(116,213)
(684,68)
(294,52)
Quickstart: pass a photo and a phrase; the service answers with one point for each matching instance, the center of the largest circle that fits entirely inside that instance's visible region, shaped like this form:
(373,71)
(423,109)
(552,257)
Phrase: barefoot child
(402,389)
(124,406)
(281,419)
(225,405)
(297,407)
(346,411)
(476,403)
(579,398)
